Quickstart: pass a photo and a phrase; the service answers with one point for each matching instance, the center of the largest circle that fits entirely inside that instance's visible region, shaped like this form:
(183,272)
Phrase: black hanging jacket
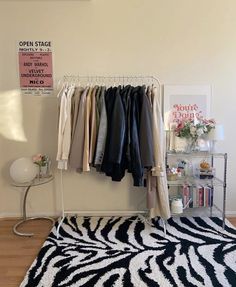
(129,142)
(145,131)
(141,139)
(135,165)
(114,157)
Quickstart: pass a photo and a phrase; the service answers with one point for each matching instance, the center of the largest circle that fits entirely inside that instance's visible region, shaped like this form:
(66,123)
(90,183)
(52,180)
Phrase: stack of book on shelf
(201,196)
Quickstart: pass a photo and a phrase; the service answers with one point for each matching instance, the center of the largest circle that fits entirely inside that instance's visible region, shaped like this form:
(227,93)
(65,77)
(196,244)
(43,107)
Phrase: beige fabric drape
(77,146)
(87,131)
(157,186)
(75,101)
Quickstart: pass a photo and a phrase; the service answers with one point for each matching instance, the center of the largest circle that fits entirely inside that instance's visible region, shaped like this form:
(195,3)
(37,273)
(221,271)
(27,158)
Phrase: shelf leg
(211,208)
(224,189)
(164,226)
(59,226)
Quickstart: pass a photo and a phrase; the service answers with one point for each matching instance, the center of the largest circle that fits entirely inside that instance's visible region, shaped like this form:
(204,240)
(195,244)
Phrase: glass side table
(28,185)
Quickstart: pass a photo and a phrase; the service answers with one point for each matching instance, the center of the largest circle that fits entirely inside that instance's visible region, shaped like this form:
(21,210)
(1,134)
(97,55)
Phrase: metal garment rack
(110,81)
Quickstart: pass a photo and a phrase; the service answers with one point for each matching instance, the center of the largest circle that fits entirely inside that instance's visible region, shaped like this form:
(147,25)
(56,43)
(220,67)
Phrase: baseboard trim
(230,213)
(11,216)
(6,215)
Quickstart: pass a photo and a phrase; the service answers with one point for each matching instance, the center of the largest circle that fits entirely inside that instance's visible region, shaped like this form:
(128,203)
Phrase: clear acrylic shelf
(195,154)
(200,211)
(195,181)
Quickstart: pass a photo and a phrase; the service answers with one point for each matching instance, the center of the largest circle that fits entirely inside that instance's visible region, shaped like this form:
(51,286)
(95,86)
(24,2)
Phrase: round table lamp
(216,134)
(23,170)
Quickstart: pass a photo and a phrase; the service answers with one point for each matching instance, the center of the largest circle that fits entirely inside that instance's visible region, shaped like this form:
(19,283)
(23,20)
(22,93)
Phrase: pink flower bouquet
(41,160)
(194,128)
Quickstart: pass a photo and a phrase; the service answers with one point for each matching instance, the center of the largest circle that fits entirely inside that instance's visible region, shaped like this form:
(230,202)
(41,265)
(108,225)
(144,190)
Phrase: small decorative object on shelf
(177,205)
(181,167)
(205,171)
(192,130)
(173,173)
(43,163)
(204,165)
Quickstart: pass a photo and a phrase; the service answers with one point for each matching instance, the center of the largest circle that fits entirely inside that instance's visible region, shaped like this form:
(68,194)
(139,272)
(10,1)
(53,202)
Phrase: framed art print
(184,102)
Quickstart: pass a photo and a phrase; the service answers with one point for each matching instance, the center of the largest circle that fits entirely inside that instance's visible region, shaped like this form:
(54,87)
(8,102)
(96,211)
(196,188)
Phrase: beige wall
(181,42)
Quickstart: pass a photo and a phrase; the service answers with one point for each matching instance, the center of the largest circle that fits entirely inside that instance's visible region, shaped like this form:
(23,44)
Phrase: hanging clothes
(140,135)
(106,166)
(157,185)
(77,143)
(145,131)
(118,138)
(135,165)
(114,130)
(102,130)
(75,109)
(86,166)
(126,98)
(129,116)
(64,128)
(93,124)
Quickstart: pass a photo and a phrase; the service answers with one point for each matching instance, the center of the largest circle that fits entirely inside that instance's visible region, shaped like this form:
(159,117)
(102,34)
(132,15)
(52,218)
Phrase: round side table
(28,185)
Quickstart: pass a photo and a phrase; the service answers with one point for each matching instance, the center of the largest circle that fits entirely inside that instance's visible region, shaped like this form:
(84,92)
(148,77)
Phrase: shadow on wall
(47,139)
(40,124)
(11,125)
(48,125)
(28,125)
(11,119)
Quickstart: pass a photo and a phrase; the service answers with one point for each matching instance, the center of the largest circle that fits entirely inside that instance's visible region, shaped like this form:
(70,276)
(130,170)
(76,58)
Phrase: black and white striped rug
(126,252)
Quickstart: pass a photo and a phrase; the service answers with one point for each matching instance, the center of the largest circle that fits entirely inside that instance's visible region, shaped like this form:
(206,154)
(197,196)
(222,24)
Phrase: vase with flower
(42,161)
(192,130)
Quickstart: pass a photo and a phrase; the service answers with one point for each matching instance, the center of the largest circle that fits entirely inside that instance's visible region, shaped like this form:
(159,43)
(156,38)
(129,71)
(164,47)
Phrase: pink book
(185,194)
(201,196)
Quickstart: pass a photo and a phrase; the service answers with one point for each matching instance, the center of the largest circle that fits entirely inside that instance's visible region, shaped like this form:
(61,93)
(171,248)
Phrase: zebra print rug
(126,252)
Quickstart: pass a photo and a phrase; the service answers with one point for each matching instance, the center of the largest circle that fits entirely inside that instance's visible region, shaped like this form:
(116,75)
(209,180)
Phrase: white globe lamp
(23,170)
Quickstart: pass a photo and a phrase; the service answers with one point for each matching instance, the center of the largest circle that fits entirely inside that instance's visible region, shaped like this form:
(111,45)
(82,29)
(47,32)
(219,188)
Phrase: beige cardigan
(157,180)
(87,130)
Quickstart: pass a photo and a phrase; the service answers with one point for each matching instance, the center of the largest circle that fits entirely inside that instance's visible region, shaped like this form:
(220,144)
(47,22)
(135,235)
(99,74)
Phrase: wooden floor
(17,253)
(233,220)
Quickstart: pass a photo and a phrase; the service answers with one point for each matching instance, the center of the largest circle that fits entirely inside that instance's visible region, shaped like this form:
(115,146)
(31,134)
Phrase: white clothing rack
(103,80)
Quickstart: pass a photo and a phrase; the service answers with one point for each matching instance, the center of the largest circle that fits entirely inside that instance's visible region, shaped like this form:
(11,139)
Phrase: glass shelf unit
(194,181)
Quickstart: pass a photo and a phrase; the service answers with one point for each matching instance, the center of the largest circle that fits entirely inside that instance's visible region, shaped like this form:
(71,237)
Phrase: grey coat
(102,132)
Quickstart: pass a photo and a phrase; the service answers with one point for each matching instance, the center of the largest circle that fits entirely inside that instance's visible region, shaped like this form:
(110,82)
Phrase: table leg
(24,218)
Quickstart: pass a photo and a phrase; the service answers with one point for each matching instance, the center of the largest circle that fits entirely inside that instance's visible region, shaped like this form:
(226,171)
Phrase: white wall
(181,42)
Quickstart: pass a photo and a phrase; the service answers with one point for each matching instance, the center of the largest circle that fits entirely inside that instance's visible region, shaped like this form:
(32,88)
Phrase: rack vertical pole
(224,189)
(62,203)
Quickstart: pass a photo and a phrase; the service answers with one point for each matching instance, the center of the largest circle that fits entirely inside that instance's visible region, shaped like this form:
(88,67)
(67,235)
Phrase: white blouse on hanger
(64,128)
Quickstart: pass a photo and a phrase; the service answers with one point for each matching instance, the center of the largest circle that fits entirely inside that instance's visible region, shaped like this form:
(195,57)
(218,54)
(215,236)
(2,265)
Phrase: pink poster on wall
(35,67)
(184,102)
